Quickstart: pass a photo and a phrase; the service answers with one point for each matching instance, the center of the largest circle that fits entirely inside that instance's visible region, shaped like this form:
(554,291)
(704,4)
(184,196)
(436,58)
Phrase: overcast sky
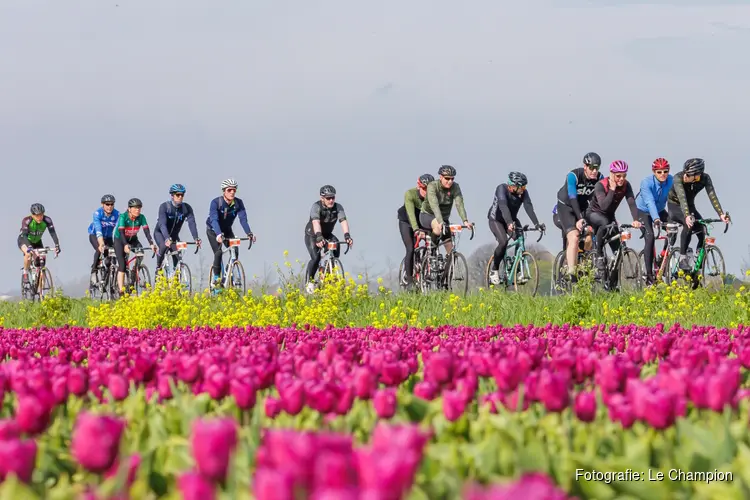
(129,97)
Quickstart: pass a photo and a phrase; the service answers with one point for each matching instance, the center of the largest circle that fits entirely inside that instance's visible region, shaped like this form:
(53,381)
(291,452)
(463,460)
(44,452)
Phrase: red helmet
(660,164)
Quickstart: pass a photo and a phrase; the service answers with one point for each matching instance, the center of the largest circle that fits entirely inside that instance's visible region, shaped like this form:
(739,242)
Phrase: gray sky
(286,96)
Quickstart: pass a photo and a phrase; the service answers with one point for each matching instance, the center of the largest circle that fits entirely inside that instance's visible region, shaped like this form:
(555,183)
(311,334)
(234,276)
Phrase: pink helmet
(618,167)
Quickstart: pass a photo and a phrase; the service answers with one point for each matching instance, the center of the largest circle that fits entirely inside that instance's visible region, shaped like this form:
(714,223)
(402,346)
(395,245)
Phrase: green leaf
(416,409)
(13,489)
(532,457)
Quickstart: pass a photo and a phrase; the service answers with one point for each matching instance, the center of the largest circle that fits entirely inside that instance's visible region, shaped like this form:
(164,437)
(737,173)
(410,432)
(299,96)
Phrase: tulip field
(365,394)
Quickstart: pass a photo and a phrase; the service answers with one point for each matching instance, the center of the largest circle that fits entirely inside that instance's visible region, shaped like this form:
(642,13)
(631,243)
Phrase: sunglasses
(330,198)
(181,195)
(231,190)
(593,167)
(661,172)
(448,178)
(109,204)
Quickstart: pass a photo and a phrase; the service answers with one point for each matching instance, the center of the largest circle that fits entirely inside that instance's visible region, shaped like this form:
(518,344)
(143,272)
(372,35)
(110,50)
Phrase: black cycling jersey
(505,206)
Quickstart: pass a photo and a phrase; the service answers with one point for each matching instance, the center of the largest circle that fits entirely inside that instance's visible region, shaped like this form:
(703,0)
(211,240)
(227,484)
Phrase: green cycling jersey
(439,201)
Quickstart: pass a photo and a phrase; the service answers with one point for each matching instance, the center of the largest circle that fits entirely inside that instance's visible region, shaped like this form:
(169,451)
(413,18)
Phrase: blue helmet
(176,188)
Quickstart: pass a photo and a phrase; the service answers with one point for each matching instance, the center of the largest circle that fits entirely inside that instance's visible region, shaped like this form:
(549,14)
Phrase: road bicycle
(330,265)
(561,282)
(700,272)
(660,261)
(105,287)
(622,271)
(170,269)
(233,273)
(39,284)
(438,272)
(519,268)
(420,247)
(137,276)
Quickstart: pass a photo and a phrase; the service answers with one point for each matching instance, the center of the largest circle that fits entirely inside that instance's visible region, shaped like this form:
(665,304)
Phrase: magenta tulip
(96,441)
(213,442)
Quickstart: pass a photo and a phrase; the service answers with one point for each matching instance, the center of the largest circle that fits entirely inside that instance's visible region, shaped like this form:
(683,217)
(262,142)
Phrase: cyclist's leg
(570,234)
(314,251)
(648,244)
(407,236)
(121,262)
(675,216)
(599,222)
(216,249)
(24,245)
(161,243)
(500,231)
(699,230)
(95,244)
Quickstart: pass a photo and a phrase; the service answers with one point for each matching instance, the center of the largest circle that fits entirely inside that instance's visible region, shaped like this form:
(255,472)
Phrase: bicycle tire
(240,285)
(526,257)
(673,268)
(636,274)
(425,283)
(26,293)
(557,285)
(186,277)
(713,250)
(457,256)
(143,279)
(487,270)
(45,276)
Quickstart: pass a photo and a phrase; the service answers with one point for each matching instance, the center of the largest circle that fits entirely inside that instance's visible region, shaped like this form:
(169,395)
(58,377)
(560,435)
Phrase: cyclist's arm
(432,201)
(161,221)
(458,201)
(679,190)
(121,228)
(242,216)
(630,197)
(190,217)
(411,209)
(213,216)
(345,227)
(711,192)
(51,229)
(25,232)
(502,204)
(98,231)
(529,207)
(604,199)
(146,230)
(315,218)
(648,198)
(573,195)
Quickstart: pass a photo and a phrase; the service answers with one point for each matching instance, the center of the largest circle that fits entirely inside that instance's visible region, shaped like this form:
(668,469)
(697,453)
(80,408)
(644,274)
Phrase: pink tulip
(385,403)
(585,406)
(213,442)
(32,415)
(194,486)
(96,441)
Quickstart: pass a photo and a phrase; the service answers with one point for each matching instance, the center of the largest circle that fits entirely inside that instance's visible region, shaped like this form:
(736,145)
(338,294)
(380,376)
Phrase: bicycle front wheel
(186,277)
(526,274)
(458,274)
(143,279)
(629,274)
(237,277)
(45,284)
(558,274)
(335,267)
(713,269)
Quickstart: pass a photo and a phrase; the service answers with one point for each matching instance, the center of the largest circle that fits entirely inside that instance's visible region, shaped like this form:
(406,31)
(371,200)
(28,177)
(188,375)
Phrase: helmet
(134,202)
(424,180)
(618,167)
(694,166)
(328,190)
(108,198)
(228,183)
(447,171)
(592,160)
(176,188)
(517,179)
(37,208)
(660,164)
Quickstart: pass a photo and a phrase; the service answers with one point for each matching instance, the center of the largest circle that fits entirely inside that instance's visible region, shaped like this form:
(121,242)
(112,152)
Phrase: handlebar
(457,228)
(331,245)
(140,252)
(542,230)
(706,222)
(231,245)
(669,225)
(42,252)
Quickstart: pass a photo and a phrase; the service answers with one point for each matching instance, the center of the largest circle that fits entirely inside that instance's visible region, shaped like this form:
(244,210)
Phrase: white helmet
(228,183)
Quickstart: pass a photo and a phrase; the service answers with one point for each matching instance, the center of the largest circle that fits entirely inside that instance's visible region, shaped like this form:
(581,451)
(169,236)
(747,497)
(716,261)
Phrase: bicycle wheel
(401,276)
(237,277)
(558,284)
(673,273)
(487,270)
(143,279)
(713,269)
(45,284)
(642,263)
(526,275)
(458,274)
(335,267)
(629,274)
(425,274)
(186,277)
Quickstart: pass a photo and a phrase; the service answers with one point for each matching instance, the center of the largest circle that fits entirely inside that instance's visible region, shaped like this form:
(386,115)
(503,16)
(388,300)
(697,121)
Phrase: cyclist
(652,203)
(440,197)
(681,203)
(221,215)
(323,216)
(503,216)
(126,236)
(408,223)
(572,202)
(32,229)
(607,196)
(172,215)
(101,230)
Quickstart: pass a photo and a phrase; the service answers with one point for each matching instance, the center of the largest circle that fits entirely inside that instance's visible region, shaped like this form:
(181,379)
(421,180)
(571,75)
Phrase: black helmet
(108,198)
(592,160)
(447,171)
(694,166)
(134,202)
(424,180)
(517,179)
(327,191)
(37,208)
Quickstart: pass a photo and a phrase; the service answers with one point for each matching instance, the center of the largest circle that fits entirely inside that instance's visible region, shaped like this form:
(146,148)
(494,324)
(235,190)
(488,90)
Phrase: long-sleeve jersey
(684,194)
(221,215)
(326,216)
(507,205)
(171,218)
(439,201)
(652,198)
(128,228)
(577,190)
(409,211)
(33,230)
(103,225)
(605,201)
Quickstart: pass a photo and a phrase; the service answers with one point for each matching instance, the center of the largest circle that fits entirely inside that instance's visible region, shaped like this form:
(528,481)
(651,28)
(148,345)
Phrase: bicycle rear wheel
(559,284)
(458,274)
(237,277)
(186,277)
(526,274)
(629,273)
(713,269)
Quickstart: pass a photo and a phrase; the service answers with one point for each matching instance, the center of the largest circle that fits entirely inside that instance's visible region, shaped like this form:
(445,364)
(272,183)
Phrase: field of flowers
(362,394)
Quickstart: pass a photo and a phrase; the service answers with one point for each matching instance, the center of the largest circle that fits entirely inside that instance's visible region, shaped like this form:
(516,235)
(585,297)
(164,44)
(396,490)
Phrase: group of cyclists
(586,199)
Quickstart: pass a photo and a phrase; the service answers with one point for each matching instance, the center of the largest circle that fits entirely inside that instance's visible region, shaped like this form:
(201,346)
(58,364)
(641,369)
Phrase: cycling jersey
(221,215)
(439,201)
(505,206)
(605,201)
(409,211)
(103,225)
(32,230)
(171,218)
(577,191)
(326,216)
(652,198)
(127,228)
(684,194)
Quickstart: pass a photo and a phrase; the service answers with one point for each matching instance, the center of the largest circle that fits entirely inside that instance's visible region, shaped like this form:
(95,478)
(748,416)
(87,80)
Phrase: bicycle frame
(671,229)
(518,245)
(327,255)
(167,265)
(624,236)
(233,250)
(708,240)
(37,264)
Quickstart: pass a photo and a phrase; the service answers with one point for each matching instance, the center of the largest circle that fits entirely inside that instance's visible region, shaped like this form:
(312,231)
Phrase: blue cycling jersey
(221,215)
(103,225)
(652,198)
